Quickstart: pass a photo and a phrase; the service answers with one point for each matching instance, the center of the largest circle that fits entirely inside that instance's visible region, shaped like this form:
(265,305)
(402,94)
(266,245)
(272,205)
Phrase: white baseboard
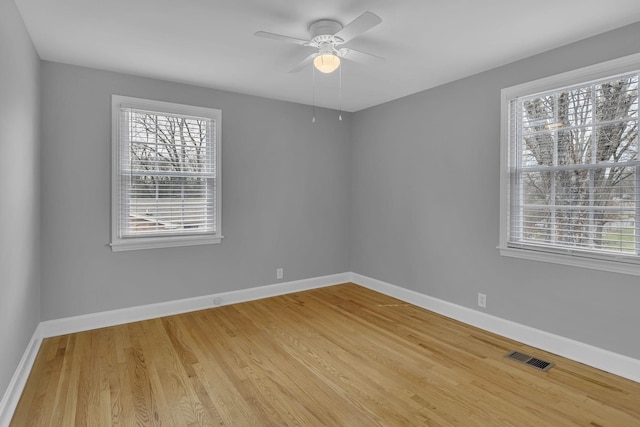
(596,357)
(16,385)
(67,325)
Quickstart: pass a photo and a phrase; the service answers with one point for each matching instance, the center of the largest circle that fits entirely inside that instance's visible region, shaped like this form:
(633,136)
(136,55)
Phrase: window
(166,174)
(570,168)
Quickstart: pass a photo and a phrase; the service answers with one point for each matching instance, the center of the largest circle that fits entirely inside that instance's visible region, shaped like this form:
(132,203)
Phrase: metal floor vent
(530,360)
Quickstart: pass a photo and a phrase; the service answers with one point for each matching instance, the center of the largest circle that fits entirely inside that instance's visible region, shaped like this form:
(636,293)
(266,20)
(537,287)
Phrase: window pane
(590,202)
(168,143)
(537,210)
(574,146)
(592,209)
(169,204)
(575,107)
(574,202)
(586,209)
(615,207)
(617,99)
(538,113)
(617,142)
(538,150)
(616,104)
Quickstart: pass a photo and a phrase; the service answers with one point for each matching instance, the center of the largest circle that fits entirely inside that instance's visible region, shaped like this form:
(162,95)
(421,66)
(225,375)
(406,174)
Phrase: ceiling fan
(327,36)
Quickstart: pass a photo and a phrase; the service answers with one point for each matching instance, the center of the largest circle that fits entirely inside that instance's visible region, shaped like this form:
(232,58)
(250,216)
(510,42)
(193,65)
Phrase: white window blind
(574,172)
(166,175)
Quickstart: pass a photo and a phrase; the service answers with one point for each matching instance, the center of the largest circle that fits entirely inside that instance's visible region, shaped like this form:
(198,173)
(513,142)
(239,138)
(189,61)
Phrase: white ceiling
(211,43)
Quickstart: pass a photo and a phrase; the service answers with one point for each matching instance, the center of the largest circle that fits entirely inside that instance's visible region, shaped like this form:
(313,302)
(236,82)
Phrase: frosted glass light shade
(326,63)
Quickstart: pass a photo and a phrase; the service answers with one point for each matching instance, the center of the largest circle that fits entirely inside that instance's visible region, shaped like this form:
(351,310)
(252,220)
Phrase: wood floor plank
(341,355)
(331,369)
(66,387)
(220,389)
(41,375)
(291,384)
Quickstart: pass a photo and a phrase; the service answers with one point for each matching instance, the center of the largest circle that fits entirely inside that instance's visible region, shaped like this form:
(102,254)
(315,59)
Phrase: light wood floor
(342,355)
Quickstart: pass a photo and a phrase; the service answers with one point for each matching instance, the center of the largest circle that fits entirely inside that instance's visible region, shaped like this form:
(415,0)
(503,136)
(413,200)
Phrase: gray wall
(285,197)
(19,186)
(425,212)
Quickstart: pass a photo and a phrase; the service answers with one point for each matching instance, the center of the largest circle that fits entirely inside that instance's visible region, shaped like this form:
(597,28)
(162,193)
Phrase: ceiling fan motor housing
(322,32)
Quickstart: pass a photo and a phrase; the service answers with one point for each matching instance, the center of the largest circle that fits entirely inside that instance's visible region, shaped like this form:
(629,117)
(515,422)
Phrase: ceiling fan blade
(306,61)
(280,37)
(360,57)
(358,26)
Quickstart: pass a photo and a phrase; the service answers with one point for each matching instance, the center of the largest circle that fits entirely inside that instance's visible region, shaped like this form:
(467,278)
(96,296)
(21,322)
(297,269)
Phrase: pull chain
(340,90)
(313,96)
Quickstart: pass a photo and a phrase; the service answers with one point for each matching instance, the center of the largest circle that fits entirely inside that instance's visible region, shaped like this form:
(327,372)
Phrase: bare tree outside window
(577,172)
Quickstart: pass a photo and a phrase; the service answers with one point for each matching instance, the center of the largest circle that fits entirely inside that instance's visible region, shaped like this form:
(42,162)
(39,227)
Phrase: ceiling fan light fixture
(326,62)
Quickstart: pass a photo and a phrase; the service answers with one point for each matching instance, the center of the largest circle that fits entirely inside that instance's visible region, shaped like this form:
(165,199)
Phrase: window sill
(593,263)
(137,243)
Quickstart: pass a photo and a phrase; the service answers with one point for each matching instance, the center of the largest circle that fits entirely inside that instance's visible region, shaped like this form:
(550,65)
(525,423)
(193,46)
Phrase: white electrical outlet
(217,300)
(279,273)
(482,300)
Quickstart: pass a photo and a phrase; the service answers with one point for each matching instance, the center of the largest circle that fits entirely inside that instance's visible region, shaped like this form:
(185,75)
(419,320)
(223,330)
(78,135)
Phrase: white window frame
(611,263)
(119,243)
